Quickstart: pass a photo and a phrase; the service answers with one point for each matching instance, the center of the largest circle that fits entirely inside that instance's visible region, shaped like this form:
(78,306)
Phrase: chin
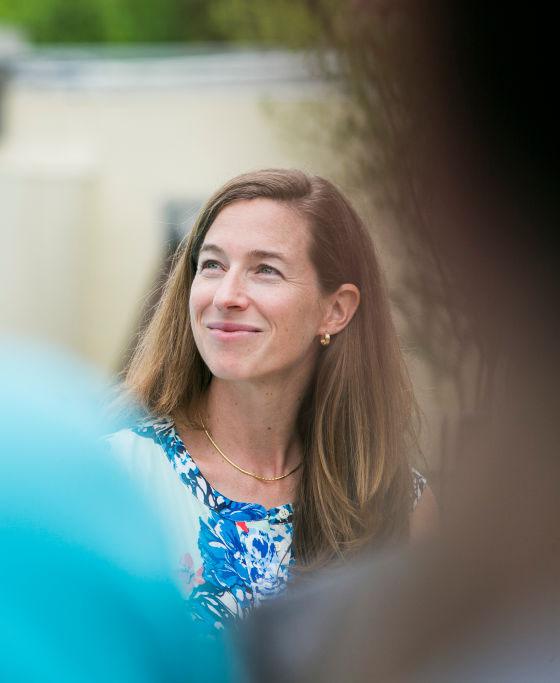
(231,372)
(225,376)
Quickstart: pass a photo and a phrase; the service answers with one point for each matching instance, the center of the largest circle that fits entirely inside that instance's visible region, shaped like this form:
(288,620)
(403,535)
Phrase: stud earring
(326,339)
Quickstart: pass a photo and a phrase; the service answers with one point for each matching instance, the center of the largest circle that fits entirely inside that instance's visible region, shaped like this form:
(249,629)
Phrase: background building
(107,153)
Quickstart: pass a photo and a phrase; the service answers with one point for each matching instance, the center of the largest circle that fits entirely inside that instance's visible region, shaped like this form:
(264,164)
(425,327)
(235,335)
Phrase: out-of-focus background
(119,118)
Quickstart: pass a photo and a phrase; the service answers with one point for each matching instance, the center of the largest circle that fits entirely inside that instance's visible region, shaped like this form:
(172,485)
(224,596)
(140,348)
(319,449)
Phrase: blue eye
(209,265)
(265,269)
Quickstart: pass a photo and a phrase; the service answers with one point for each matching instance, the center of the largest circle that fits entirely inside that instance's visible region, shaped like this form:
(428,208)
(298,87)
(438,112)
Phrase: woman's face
(256,307)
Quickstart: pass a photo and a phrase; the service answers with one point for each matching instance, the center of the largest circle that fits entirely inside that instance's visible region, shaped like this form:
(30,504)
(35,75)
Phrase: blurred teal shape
(86,589)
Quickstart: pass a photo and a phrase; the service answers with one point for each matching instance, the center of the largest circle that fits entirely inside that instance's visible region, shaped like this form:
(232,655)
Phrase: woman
(272,375)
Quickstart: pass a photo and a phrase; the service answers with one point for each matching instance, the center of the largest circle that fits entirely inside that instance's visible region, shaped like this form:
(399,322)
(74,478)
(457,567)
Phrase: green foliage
(55,20)
(274,22)
(145,21)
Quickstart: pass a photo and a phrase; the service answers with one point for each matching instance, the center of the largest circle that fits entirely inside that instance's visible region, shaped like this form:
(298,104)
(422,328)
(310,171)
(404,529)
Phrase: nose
(230,292)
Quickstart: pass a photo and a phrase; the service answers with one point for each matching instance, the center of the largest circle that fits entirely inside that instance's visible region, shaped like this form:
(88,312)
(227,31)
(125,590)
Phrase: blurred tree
(56,20)
(289,23)
(276,22)
(144,21)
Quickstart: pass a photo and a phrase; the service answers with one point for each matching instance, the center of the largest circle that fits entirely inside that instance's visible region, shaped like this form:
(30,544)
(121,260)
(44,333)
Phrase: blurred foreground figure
(481,602)
(86,593)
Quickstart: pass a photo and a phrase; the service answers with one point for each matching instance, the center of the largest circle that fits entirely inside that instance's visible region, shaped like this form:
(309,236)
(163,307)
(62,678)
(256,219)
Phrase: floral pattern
(244,549)
(237,554)
(190,578)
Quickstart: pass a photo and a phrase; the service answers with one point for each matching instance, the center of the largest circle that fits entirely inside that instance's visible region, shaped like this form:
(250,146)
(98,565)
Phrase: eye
(209,264)
(265,269)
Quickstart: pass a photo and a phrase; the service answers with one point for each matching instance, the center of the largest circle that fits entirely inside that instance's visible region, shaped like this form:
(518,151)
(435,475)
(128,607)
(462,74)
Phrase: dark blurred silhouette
(469,89)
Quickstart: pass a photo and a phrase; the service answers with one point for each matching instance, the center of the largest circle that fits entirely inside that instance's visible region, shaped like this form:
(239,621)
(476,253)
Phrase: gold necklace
(240,469)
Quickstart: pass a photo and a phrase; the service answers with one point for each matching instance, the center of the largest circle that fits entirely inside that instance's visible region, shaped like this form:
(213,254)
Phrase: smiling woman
(255,312)
(279,407)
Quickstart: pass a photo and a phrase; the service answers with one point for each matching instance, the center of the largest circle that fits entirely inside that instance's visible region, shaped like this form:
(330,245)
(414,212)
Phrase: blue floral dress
(230,556)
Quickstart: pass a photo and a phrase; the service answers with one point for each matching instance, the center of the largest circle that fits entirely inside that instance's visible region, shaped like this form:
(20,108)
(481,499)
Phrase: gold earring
(326,339)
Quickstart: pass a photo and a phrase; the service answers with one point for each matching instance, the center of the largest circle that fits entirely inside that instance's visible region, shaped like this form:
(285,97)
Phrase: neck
(255,425)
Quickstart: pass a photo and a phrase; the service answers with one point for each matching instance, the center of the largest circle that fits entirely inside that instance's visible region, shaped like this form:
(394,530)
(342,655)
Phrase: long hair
(356,484)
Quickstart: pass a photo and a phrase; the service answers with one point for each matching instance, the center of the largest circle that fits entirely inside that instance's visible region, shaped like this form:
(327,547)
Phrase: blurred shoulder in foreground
(85,587)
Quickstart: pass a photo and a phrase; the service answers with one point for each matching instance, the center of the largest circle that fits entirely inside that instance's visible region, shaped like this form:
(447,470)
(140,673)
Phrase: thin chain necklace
(240,469)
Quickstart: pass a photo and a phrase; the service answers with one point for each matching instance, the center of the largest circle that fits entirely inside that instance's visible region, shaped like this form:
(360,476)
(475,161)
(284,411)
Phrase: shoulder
(144,452)
(140,448)
(128,447)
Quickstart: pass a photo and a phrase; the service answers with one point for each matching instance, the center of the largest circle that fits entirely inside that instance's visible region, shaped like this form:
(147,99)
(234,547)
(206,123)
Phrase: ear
(340,309)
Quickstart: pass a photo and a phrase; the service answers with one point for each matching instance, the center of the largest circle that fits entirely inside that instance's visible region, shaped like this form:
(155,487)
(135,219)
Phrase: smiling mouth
(224,332)
(232,328)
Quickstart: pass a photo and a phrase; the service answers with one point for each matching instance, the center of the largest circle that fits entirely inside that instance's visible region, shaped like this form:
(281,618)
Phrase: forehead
(260,224)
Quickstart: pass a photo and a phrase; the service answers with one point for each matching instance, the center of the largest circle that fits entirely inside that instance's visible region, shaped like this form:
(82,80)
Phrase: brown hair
(356,483)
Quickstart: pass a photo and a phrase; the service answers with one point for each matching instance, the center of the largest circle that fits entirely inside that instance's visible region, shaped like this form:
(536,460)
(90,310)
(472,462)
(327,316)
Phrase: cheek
(198,299)
(301,319)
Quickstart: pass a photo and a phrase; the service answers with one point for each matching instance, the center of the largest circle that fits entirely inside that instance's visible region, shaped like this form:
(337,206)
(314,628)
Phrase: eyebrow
(255,253)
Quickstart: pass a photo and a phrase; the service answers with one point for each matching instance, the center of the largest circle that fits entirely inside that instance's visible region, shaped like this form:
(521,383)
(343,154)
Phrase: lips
(232,327)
